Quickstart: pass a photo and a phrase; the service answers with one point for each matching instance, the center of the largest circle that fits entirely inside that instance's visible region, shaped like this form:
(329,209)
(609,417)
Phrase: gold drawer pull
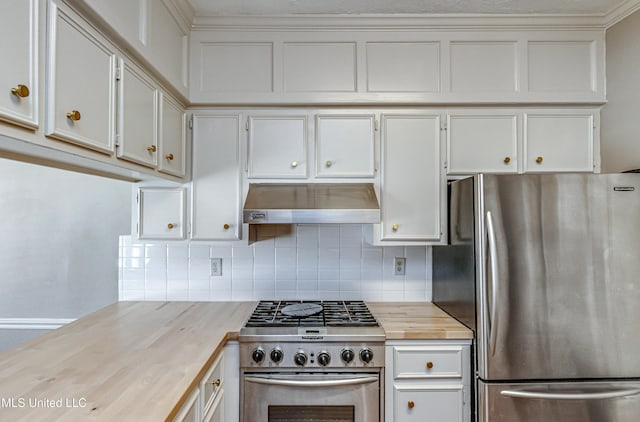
(429,365)
(411,404)
(152,148)
(294,164)
(539,160)
(169,157)
(170,226)
(74,115)
(20,91)
(395,227)
(328,164)
(216,382)
(226,227)
(507,160)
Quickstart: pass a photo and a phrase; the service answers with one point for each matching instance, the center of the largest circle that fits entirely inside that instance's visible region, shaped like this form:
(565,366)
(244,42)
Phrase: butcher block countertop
(138,361)
(130,361)
(417,321)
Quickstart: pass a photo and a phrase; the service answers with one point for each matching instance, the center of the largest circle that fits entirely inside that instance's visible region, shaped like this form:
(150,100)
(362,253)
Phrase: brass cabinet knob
(226,226)
(169,157)
(294,164)
(411,404)
(328,164)
(538,159)
(20,90)
(429,365)
(74,115)
(216,383)
(170,226)
(395,227)
(152,148)
(507,160)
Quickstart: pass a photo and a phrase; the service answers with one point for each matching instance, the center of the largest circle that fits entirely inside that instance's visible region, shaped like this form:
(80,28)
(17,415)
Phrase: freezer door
(566,402)
(558,270)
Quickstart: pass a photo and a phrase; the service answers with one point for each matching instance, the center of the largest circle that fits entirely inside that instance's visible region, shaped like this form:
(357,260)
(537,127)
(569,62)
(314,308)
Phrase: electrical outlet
(216,267)
(399,266)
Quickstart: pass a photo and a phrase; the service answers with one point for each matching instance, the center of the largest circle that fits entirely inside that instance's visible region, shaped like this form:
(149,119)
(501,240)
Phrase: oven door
(317,397)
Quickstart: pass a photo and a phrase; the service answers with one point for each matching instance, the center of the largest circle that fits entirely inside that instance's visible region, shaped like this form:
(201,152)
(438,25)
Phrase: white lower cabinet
(428,381)
(217,397)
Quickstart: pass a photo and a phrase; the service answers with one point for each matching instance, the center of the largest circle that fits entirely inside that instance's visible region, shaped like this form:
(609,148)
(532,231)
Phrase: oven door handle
(325,383)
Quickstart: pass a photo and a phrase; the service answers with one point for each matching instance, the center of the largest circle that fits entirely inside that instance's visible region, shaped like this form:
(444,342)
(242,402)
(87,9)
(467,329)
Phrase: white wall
(620,134)
(58,244)
(289,262)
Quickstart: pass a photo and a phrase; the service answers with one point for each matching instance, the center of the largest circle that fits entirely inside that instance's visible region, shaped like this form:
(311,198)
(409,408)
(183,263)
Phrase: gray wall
(620,134)
(58,243)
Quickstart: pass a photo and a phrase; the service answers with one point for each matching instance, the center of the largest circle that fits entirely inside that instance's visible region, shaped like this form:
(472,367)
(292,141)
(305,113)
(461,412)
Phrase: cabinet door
(138,128)
(345,146)
(278,147)
(190,411)
(172,137)
(411,180)
(559,141)
(161,213)
(428,402)
(19,70)
(80,83)
(485,142)
(216,411)
(216,189)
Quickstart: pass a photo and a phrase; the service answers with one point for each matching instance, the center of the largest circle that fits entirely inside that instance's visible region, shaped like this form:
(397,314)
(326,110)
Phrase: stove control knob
(324,358)
(347,355)
(258,355)
(366,355)
(276,355)
(300,358)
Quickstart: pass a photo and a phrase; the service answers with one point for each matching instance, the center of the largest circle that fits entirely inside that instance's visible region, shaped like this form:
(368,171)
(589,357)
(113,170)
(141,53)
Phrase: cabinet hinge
(246,125)
(375,125)
(118,73)
(444,126)
(117,140)
(191,122)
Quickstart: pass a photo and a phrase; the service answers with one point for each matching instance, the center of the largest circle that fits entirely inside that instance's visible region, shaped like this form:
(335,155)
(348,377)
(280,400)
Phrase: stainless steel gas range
(312,361)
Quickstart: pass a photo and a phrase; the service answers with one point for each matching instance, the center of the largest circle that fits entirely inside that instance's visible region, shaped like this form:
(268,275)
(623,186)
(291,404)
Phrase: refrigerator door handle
(493,263)
(570,396)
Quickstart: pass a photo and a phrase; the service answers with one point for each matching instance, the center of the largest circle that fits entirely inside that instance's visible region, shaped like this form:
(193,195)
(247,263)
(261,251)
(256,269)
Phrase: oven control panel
(312,355)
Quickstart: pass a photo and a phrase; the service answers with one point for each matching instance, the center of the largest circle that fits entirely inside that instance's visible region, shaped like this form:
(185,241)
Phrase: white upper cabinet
(161,213)
(137,124)
(345,145)
(216,187)
(560,140)
(19,70)
(482,141)
(81,79)
(172,137)
(412,184)
(478,64)
(277,146)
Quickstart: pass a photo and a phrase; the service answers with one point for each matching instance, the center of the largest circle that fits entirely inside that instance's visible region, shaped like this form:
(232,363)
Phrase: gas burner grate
(333,314)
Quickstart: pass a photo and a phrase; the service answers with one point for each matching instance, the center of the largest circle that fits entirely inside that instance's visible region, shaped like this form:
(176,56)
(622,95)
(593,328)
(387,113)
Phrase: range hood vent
(312,203)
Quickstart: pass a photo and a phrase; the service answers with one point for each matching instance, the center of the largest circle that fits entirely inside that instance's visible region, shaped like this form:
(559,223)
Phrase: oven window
(311,413)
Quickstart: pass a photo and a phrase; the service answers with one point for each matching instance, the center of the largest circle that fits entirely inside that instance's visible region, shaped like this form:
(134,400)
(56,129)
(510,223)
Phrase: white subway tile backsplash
(312,262)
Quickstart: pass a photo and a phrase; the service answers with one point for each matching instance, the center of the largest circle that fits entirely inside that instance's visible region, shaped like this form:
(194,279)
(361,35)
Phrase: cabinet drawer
(211,384)
(423,403)
(216,412)
(415,362)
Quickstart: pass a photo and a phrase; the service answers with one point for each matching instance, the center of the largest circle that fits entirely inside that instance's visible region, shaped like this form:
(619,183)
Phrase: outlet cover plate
(216,267)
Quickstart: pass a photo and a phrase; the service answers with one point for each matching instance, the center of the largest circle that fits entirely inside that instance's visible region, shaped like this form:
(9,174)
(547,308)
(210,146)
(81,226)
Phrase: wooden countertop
(139,360)
(417,321)
(129,361)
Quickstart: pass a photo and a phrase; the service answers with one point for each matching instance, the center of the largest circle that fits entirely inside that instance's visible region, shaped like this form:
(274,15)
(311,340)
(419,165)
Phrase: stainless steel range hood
(311,203)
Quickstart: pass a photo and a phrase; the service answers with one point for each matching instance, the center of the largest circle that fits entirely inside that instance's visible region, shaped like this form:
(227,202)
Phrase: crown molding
(411,22)
(620,12)
(183,12)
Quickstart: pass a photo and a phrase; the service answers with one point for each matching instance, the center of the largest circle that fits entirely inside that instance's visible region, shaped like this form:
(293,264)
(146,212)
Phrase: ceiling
(295,7)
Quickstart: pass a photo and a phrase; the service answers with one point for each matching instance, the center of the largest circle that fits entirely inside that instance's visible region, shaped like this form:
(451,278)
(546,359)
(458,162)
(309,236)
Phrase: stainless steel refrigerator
(546,270)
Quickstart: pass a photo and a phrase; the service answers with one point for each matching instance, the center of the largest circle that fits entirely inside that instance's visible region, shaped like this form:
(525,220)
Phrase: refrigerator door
(566,402)
(558,267)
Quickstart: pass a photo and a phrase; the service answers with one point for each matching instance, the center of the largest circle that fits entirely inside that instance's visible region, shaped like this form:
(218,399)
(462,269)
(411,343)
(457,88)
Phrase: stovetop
(329,314)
